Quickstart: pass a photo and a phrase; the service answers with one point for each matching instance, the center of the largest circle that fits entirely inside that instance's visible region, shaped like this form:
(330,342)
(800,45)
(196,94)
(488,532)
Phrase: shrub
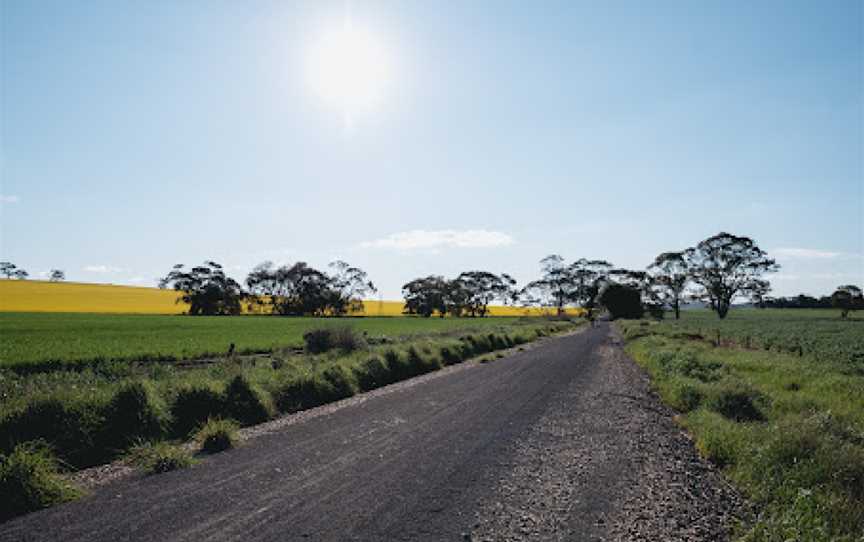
(450,355)
(71,426)
(325,339)
(685,396)
(29,481)
(217,435)
(687,364)
(341,381)
(156,458)
(193,405)
(135,412)
(419,364)
(372,373)
(246,403)
(736,401)
(304,392)
(397,365)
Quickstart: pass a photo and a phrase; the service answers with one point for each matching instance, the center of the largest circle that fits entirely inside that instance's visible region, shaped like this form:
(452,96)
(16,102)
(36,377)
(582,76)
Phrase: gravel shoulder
(563,441)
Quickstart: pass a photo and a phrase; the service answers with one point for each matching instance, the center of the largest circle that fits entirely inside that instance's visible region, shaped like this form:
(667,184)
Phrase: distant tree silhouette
(427,295)
(668,280)
(725,266)
(475,290)
(622,301)
(348,286)
(847,298)
(206,289)
(555,286)
(759,292)
(562,284)
(20,274)
(56,275)
(8,269)
(296,290)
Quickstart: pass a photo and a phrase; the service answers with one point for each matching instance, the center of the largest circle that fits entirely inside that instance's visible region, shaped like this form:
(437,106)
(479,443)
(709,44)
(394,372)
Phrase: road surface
(562,441)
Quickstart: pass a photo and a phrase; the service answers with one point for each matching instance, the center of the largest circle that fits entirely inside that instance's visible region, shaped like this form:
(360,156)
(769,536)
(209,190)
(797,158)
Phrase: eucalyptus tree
(206,289)
(426,296)
(725,266)
(348,286)
(847,298)
(669,276)
(481,288)
(8,269)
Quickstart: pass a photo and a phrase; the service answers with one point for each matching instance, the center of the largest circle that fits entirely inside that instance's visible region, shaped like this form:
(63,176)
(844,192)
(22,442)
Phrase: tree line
(12,271)
(716,271)
(295,290)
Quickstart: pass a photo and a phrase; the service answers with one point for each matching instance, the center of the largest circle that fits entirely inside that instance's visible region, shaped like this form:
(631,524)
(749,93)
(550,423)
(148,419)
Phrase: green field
(816,333)
(775,398)
(46,338)
(71,381)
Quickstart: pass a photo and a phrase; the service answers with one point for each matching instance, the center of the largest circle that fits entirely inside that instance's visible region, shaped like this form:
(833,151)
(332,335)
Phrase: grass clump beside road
(30,480)
(787,429)
(92,415)
(160,457)
(217,435)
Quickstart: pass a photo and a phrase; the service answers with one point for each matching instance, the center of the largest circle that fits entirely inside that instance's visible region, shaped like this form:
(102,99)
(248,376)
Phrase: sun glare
(349,69)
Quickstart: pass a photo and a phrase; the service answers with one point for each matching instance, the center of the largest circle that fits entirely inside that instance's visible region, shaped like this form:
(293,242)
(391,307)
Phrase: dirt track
(561,442)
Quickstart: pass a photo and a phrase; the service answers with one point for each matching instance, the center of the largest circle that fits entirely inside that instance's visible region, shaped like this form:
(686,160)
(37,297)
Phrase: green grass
(160,457)
(46,339)
(91,414)
(815,333)
(788,429)
(217,435)
(30,480)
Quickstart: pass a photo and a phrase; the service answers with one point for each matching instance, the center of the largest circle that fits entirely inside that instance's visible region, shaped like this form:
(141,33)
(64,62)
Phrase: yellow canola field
(44,296)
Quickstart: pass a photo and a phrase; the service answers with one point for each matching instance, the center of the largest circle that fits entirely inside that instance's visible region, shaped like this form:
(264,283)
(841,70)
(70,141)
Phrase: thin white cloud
(104,269)
(436,239)
(9,199)
(805,254)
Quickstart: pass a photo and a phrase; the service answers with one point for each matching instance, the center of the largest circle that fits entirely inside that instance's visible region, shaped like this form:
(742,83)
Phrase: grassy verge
(787,430)
(94,415)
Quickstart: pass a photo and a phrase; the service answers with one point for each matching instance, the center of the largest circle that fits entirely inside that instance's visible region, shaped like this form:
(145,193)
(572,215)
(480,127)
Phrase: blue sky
(140,135)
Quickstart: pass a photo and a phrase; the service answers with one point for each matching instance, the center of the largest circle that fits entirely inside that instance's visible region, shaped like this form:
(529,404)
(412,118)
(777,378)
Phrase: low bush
(193,405)
(246,403)
(450,355)
(135,412)
(685,396)
(217,435)
(736,401)
(70,426)
(372,373)
(420,364)
(305,391)
(159,457)
(343,338)
(29,481)
(341,380)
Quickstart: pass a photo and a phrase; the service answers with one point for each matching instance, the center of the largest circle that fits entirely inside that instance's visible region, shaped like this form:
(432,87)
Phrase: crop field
(66,338)
(44,296)
(776,399)
(816,333)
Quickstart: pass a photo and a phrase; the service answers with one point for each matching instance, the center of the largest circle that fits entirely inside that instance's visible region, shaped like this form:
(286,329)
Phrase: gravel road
(563,441)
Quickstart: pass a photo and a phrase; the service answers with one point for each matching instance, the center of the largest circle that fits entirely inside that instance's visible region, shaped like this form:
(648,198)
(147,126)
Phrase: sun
(350,69)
